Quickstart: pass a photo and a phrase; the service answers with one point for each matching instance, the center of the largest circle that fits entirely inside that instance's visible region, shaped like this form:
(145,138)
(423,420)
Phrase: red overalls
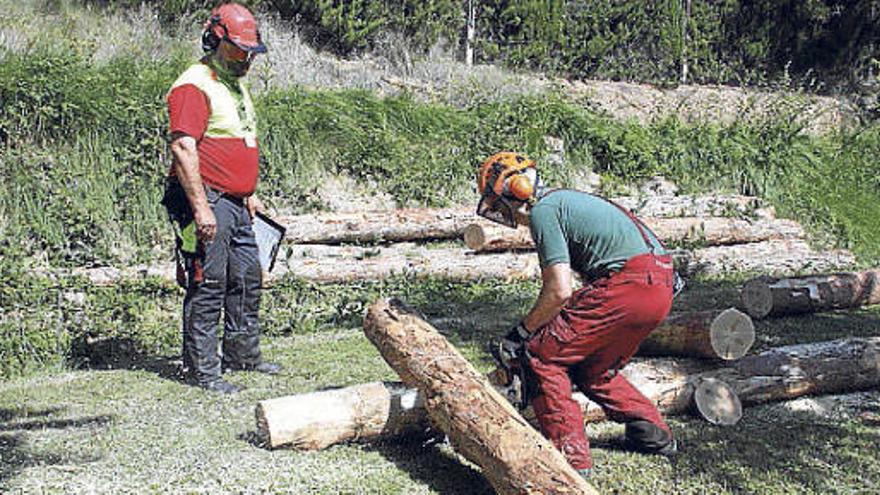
(591,339)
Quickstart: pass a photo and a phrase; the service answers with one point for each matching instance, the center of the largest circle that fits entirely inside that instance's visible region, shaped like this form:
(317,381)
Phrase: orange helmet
(505,173)
(503,177)
(234,23)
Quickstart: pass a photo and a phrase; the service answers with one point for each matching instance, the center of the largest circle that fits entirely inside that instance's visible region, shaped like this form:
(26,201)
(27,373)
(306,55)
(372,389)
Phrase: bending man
(585,336)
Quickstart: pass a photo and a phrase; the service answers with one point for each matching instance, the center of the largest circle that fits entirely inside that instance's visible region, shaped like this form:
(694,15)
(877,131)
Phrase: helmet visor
(497,209)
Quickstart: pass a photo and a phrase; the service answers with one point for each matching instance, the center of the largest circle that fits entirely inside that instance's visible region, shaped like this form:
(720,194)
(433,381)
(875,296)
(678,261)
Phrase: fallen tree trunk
(727,335)
(710,231)
(410,224)
(778,257)
(479,422)
(843,365)
(764,296)
(420,224)
(777,374)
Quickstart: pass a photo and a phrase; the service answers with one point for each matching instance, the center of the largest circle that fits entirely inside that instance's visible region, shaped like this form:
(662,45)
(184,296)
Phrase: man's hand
(254,205)
(206,223)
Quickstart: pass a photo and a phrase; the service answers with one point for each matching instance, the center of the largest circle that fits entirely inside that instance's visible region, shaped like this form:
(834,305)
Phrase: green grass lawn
(136,429)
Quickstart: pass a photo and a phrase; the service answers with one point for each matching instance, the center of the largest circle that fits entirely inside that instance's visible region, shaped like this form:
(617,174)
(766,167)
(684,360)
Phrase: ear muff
(520,187)
(210,38)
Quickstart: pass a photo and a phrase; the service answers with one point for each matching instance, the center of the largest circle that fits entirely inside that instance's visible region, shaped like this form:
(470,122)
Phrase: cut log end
(474,236)
(717,402)
(732,334)
(757,298)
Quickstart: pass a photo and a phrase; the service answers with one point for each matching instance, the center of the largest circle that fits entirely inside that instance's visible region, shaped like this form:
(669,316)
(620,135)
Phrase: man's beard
(233,68)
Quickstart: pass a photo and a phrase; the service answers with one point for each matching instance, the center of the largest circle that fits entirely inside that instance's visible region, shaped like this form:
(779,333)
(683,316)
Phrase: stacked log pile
(318,246)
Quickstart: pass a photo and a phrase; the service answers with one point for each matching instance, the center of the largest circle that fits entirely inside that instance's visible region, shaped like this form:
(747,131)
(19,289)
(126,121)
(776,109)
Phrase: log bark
(765,296)
(481,424)
(777,374)
(709,231)
(727,334)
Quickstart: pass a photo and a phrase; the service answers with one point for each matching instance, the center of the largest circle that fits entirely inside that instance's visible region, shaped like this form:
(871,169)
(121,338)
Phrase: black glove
(513,344)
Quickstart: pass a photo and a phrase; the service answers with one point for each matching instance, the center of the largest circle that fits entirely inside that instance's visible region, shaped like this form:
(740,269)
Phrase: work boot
(263,367)
(220,386)
(648,438)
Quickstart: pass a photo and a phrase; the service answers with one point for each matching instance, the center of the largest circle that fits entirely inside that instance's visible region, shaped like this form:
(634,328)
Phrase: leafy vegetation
(823,45)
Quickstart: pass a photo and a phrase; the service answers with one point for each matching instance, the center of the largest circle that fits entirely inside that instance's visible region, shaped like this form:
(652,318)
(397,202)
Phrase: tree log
(420,224)
(843,365)
(480,423)
(317,420)
(727,334)
(710,231)
(777,374)
(778,257)
(715,334)
(764,296)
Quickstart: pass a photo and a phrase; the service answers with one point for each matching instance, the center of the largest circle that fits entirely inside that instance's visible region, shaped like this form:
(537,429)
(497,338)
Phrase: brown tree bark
(461,403)
(765,296)
(777,374)
(709,231)
(726,334)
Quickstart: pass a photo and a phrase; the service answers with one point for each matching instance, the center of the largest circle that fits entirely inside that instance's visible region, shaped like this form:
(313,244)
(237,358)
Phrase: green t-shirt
(587,232)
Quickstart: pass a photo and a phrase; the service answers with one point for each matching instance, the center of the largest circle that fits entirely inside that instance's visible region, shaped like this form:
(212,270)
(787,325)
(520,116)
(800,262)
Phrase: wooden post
(764,296)
(461,403)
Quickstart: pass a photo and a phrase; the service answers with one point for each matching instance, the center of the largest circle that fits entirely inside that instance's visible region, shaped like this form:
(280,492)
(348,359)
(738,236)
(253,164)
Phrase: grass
(128,425)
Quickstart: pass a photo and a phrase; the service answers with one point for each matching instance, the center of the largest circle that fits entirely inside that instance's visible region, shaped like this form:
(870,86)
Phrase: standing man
(589,335)
(210,197)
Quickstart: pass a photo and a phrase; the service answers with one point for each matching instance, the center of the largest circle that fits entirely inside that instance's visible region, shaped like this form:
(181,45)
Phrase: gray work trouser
(229,278)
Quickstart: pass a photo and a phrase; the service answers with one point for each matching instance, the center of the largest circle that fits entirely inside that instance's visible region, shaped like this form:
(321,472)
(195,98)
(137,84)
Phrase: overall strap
(643,229)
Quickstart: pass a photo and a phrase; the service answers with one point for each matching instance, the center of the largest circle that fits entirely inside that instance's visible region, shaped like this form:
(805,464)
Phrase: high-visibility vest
(232,115)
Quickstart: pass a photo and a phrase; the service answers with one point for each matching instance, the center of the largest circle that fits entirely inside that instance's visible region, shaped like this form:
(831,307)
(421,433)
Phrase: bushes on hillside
(85,147)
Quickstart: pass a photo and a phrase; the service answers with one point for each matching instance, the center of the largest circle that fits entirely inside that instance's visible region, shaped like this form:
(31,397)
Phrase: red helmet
(234,23)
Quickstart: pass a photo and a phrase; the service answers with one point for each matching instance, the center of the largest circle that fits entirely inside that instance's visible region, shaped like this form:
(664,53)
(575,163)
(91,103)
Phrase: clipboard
(269,234)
